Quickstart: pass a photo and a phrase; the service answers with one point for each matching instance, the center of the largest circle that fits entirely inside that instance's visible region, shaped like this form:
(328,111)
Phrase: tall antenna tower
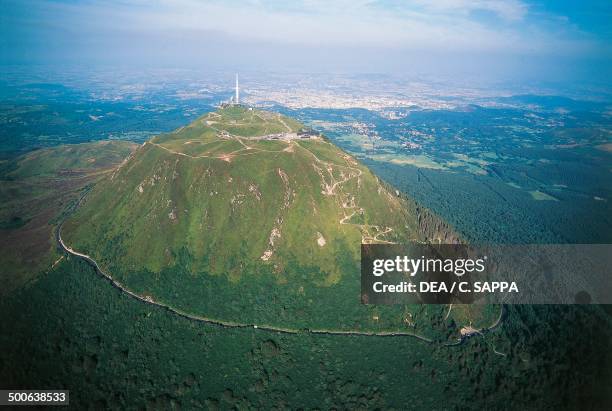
(237,90)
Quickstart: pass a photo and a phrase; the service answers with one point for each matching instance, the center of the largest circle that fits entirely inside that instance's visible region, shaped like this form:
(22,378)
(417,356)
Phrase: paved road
(232,324)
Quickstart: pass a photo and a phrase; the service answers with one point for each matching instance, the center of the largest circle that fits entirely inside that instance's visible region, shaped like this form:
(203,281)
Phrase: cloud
(371,33)
(444,25)
(510,10)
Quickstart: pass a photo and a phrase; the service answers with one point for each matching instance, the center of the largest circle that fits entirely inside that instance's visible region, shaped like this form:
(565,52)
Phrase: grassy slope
(175,201)
(36,187)
(189,217)
(71,159)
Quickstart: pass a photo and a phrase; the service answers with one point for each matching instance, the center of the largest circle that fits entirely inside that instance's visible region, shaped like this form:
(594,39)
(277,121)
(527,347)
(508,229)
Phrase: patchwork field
(38,187)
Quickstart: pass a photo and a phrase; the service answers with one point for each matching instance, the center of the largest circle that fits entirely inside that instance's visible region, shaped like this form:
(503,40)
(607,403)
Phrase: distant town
(234,101)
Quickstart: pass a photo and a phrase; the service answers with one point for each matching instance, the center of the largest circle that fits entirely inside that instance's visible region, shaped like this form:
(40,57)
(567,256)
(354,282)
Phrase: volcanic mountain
(245,215)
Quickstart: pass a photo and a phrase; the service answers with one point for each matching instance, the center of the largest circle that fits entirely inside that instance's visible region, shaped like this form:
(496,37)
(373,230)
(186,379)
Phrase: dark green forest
(70,329)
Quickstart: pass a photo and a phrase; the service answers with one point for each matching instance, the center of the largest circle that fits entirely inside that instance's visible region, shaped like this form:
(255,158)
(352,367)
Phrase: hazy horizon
(481,41)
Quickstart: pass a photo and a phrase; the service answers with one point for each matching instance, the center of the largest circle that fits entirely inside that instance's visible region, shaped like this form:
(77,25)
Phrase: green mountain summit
(245,215)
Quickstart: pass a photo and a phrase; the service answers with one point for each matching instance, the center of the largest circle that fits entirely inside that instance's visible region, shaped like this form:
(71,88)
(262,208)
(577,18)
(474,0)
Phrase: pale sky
(446,37)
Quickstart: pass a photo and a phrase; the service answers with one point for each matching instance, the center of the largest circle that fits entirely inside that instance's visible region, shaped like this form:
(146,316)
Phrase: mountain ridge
(247,214)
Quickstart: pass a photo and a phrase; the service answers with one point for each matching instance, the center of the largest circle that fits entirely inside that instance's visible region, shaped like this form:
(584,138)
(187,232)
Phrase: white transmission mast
(237,90)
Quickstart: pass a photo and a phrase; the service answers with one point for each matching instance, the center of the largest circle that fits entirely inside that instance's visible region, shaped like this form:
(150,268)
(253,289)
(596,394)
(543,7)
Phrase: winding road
(223,323)
(231,324)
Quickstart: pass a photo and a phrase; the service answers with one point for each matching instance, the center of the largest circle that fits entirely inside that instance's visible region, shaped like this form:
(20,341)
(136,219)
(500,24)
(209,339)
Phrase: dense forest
(71,329)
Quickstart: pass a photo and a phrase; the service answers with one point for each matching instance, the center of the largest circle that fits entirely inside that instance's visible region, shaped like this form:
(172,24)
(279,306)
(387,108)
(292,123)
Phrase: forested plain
(71,329)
